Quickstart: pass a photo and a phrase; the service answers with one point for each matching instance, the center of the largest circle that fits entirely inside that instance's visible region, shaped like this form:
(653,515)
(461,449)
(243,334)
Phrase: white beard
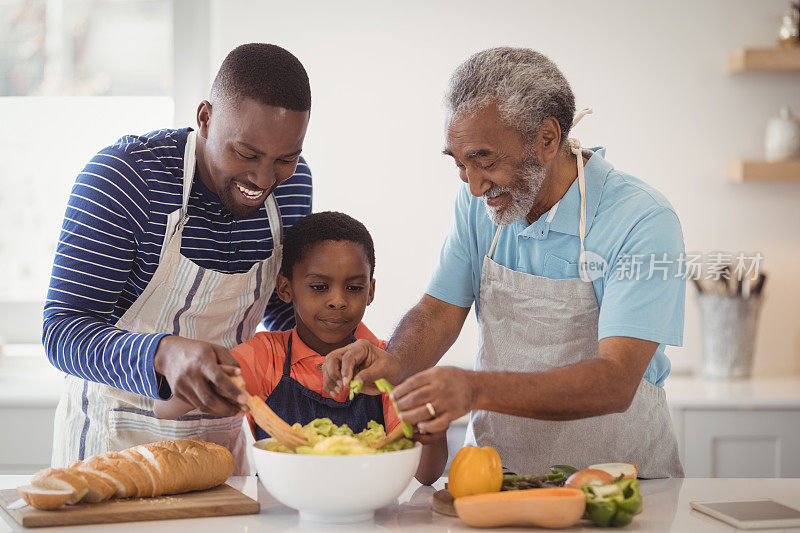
(523,191)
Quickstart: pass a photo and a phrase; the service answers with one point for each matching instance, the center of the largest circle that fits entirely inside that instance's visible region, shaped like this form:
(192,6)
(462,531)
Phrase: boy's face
(330,289)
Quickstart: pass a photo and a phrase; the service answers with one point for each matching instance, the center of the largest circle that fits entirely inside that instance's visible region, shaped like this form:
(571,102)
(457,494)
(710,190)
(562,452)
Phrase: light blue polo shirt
(629,225)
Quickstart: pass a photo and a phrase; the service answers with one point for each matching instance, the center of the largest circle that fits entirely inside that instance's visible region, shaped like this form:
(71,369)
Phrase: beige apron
(181,299)
(531,323)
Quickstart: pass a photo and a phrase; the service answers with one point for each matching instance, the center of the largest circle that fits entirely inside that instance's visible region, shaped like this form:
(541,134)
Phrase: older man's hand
(450,391)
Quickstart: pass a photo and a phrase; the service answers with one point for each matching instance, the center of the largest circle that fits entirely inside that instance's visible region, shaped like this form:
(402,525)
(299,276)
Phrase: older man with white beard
(574,270)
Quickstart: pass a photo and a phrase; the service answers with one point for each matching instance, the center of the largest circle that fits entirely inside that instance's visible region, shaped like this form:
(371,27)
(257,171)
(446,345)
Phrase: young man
(168,255)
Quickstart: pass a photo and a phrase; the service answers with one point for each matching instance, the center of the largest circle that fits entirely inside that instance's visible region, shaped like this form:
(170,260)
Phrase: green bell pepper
(563,469)
(385,386)
(613,504)
(355,387)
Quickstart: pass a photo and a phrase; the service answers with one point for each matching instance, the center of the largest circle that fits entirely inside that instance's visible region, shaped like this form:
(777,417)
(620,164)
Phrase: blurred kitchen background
(674,103)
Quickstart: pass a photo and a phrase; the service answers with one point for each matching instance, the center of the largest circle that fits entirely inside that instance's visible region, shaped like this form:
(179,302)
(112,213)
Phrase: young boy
(327,268)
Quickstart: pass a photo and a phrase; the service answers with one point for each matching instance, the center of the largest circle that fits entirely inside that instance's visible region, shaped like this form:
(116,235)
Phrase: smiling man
(167,257)
(572,267)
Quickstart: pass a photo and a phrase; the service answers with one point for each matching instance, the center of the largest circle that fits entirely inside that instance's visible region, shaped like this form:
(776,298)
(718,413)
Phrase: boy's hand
(231,371)
(359,360)
(429,438)
(235,372)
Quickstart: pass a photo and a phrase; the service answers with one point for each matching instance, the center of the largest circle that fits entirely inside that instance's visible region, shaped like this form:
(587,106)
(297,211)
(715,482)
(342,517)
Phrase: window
(64,65)
(85,48)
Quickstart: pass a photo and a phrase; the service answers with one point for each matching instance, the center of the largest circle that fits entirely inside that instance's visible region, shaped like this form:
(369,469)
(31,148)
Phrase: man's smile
(250,196)
(497,200)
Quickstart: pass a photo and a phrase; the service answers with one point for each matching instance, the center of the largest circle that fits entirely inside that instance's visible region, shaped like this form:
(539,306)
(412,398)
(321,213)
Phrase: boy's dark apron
(295,403)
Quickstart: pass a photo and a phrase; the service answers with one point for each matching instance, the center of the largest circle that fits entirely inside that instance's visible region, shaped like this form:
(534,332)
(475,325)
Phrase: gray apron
(183,299)
(531,323)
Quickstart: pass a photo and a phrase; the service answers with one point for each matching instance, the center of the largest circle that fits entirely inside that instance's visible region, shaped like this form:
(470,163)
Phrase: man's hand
(449,390)
(195,373)
(359,360)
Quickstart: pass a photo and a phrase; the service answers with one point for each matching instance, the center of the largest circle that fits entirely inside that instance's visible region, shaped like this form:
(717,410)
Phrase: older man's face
(492,158)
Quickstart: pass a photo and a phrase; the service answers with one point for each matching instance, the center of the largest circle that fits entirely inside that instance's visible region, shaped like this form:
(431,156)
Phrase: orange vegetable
(475,471)
(552,508)
(588,476)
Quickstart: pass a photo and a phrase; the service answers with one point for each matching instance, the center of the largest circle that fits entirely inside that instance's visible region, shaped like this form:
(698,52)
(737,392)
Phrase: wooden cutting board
(223,500)
(443,503)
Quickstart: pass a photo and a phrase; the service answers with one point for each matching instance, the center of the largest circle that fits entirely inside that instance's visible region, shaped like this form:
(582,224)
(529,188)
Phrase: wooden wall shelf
(776,59)
(750,170)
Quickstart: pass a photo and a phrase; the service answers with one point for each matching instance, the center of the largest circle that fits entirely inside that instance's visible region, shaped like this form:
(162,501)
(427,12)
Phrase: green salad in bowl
(326,438)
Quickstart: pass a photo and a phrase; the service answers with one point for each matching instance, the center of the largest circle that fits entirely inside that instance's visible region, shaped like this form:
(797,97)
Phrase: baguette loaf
(100,487)
(62,479)
(148,470)
(44,498)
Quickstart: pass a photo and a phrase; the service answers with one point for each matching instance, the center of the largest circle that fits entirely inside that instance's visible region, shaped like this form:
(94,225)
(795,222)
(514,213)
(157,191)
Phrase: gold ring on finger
(431,410)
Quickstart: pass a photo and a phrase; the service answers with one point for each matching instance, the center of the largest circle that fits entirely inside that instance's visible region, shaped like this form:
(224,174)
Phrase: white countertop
(27,379)
(666,508)
(778,392)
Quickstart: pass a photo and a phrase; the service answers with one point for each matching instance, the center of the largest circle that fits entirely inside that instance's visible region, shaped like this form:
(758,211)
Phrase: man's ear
(548,140)
(371,291)
(203,118)
(283,288)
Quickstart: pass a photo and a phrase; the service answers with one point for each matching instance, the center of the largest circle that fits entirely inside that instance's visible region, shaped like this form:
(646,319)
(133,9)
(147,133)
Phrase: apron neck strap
(287,365)
(575,148)
(275,220)
(494,241)
(582,113)
(188,170)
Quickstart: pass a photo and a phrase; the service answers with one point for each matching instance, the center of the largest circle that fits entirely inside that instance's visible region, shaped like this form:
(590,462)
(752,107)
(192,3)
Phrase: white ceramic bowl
(336,488)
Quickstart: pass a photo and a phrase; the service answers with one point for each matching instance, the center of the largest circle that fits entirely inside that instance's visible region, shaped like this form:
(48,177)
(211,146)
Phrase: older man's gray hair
(525,84)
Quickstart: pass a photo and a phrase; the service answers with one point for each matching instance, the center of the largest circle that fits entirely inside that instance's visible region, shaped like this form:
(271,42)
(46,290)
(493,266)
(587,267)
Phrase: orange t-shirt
(262,358)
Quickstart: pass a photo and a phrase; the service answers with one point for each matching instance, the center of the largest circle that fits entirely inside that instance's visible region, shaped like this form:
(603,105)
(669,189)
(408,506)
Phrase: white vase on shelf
(782,140)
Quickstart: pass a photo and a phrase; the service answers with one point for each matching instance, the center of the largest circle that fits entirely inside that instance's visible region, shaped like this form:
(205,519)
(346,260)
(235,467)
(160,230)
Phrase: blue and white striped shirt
(109,249)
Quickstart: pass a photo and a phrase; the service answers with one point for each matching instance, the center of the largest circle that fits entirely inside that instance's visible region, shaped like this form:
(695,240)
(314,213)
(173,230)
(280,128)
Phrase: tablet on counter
(751,514)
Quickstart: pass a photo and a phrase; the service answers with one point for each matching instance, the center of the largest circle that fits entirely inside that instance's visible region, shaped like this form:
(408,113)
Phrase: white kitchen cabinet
(738,428)
(29,391)
(27,439)
(753,443)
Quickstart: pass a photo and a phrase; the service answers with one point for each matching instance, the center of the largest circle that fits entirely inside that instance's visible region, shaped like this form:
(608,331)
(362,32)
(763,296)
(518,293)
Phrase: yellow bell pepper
(475,471)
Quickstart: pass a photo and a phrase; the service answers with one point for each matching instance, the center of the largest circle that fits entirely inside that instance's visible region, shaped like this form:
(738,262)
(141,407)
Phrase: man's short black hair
(319,227)
(266,73)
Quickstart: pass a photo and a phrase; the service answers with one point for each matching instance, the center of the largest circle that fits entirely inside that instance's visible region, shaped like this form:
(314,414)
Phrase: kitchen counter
(666,508)
(777,392)
(725,428)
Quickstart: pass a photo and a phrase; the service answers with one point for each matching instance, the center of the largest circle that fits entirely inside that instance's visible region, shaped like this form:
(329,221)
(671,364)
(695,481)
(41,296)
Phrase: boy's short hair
(320,227)
(265,73)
